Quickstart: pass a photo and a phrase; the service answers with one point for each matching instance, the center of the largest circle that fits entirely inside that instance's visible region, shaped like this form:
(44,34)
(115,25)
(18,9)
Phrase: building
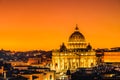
(109,56)
(77,54)
(17,63)
(48,75)
(112,57)
(34,61)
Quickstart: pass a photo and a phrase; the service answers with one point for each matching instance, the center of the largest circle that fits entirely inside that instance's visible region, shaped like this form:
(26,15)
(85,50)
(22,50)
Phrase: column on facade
(53,64)
(69,66)
(63,62)
(78,63)
(87,61)
(75,62)
(59,63)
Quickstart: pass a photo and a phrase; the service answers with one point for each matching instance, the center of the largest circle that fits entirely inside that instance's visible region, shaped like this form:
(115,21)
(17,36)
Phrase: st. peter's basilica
(76,54)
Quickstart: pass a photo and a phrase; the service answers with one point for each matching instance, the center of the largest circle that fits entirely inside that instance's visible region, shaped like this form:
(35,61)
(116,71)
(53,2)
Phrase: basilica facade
(76,54)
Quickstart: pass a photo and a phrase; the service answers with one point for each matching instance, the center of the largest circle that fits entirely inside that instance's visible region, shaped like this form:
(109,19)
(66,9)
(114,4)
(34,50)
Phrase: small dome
(76,36)
(89,47)
(63,47)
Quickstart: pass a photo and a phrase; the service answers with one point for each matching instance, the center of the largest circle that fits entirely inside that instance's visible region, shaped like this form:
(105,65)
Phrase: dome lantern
(76,29)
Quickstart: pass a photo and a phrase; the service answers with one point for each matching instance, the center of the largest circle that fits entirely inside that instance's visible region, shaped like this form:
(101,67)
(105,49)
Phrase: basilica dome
(76,40)
(76,36)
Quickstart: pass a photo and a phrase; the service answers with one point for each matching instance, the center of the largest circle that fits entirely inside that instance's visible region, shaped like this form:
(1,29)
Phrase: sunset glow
(45,24)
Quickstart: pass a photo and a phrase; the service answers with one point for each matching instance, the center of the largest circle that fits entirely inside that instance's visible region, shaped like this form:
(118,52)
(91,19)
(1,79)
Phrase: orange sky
(45,24)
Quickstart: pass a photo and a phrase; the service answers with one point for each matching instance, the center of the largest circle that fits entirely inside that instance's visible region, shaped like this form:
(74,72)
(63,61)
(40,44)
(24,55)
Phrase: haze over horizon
(46,24)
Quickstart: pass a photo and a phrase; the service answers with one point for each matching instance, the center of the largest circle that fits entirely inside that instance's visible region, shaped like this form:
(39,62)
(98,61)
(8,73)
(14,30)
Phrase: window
(50,77)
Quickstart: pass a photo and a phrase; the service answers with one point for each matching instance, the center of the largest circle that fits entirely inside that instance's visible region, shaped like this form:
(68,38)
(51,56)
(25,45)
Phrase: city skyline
(44,24)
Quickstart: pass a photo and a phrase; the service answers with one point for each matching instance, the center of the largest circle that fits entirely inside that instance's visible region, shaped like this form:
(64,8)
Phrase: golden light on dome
(75,55)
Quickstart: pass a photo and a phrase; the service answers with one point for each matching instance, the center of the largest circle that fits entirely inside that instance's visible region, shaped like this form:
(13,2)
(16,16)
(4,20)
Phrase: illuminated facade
(77,54)
(111,57)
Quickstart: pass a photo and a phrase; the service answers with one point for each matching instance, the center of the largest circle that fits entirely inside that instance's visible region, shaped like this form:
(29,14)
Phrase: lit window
(50,77)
